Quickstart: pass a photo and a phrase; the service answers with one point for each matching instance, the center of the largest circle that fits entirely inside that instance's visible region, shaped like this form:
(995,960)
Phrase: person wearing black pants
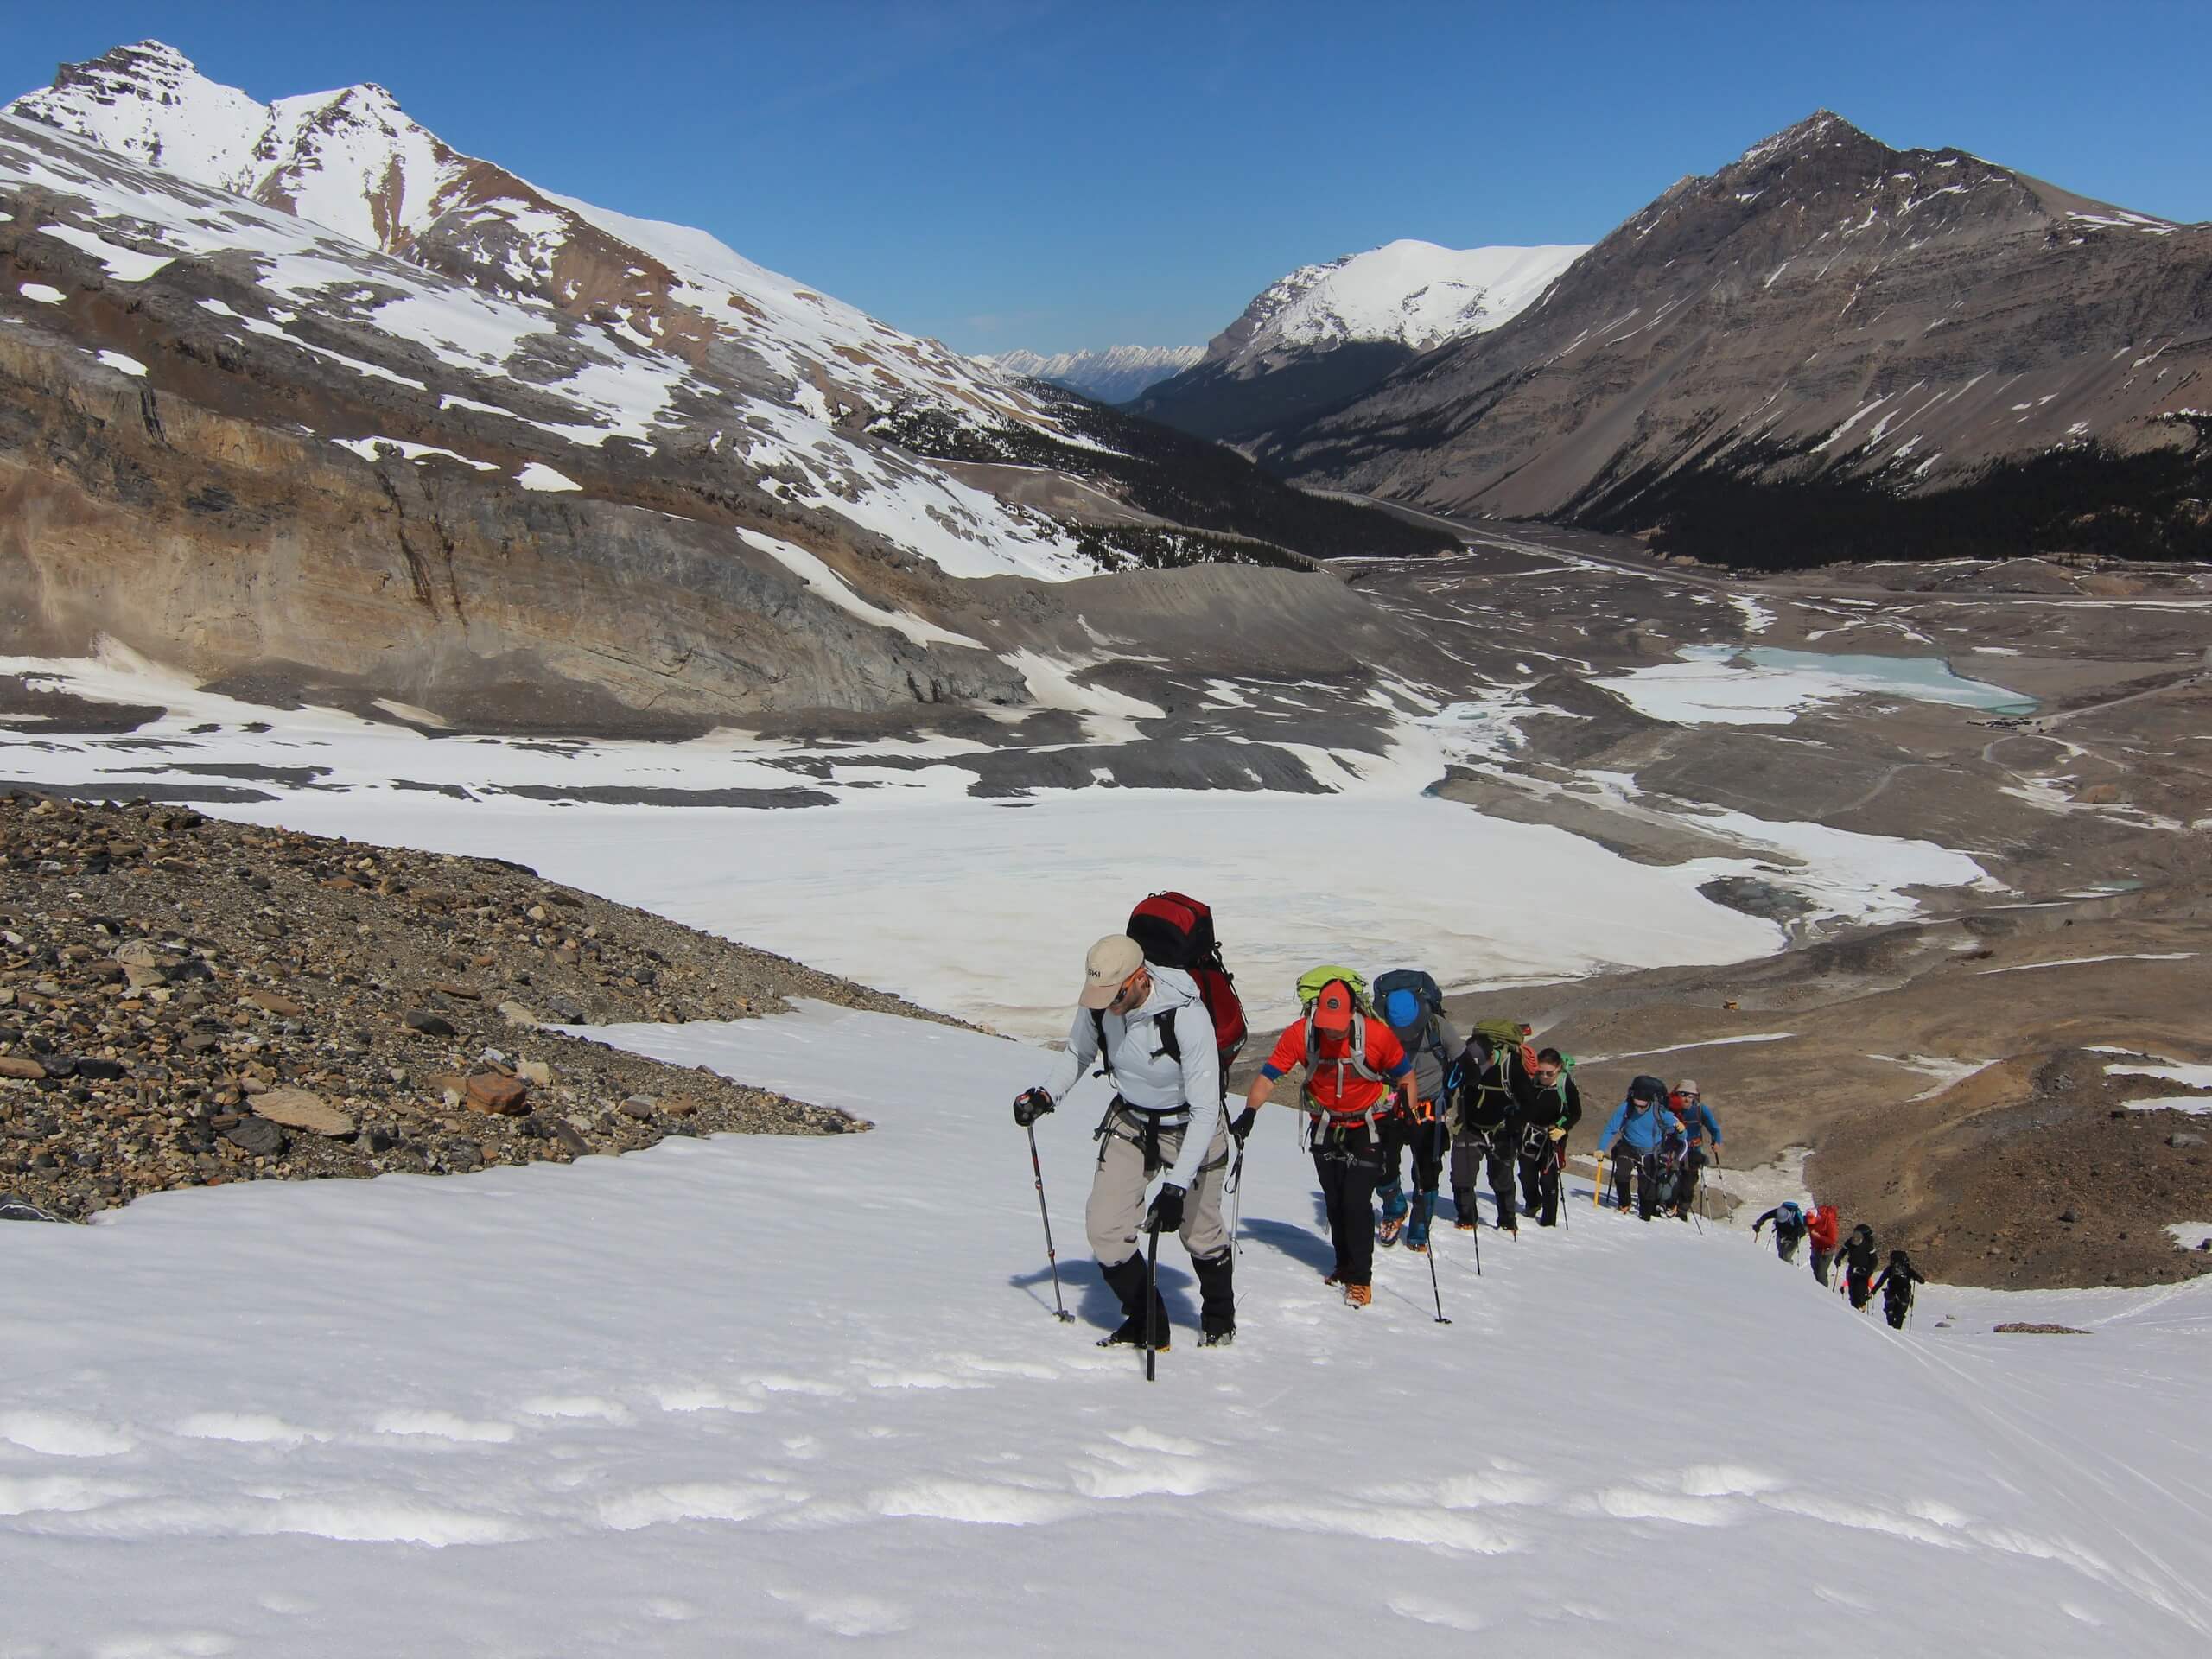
(1356,1069)
(1644,1173)
(1858,1256)
(1559,1109)
(1496,1098)
(1895,1285)
(1474,1151)
(1348,1162)
(1632,1137)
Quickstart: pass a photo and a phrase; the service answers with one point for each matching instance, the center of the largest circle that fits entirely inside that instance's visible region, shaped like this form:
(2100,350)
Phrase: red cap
(1332,1008)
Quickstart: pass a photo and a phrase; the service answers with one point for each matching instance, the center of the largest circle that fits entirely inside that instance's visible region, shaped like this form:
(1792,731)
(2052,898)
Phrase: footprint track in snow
(444,1426)
(64,1434)
(245,1429)
(974,1503)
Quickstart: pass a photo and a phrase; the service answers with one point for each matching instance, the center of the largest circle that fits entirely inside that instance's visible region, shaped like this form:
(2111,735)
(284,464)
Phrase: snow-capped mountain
(353,162)
(1405,293)
(1829,348)
(1327,331)
(1113,376)
(394,419)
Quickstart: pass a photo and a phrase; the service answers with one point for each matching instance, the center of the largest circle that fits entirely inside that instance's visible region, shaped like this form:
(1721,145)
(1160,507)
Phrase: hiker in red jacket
(1356,1069)
(1822,1227)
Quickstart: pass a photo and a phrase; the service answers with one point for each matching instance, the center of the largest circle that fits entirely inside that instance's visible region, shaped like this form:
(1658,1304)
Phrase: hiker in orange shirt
(1356,1069)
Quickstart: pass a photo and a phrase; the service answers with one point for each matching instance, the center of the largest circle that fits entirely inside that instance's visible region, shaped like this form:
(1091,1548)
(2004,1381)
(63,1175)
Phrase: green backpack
(1310,984)
(1314,981)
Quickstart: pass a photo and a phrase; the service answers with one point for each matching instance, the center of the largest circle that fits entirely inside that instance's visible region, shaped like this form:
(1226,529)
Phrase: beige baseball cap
(1111,961)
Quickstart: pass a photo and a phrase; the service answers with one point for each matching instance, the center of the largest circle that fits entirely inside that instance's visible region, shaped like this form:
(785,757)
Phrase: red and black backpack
(1176,931)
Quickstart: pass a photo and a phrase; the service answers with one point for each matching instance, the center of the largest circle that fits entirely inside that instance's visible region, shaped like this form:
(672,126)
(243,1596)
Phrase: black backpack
(1422,984)
(1429,1034)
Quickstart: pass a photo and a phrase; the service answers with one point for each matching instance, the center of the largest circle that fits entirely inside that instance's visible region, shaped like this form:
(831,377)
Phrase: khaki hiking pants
(1115,1213)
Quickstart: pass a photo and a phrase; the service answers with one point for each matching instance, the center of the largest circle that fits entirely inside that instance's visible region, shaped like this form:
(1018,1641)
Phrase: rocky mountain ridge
(394,423)
(1802,355)
(1112,376)
(1326,331)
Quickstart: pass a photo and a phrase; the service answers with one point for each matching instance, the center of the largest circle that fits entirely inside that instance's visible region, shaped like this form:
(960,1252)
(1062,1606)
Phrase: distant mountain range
(1327,331)
(1829,348)
(1113,376)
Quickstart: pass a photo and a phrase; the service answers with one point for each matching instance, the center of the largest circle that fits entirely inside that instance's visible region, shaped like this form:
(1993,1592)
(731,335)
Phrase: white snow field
(979,906)
(758,1394)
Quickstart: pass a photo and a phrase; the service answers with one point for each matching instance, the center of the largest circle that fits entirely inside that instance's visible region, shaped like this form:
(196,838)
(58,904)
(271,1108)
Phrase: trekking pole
(1478,1248)
(1152,1305)
(1431,1253)
(1037,1169)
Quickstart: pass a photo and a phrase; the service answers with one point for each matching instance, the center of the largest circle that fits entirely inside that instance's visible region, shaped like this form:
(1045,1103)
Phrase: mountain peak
(1822,127)
(124,68)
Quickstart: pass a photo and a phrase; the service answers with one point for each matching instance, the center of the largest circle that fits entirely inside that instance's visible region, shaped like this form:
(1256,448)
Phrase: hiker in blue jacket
(1631,1139)
(1698,1121)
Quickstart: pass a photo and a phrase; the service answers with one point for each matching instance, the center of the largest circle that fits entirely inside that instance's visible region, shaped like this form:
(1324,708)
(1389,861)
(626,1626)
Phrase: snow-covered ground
(978,906)
(766,1394)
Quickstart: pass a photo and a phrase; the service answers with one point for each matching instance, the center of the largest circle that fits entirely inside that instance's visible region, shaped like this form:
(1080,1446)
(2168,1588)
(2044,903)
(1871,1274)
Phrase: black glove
(1030,1106)
(1241,1125)
(1165,1215)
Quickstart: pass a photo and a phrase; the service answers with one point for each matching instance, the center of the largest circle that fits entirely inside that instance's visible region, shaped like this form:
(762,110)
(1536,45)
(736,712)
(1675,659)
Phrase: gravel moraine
(185,1001)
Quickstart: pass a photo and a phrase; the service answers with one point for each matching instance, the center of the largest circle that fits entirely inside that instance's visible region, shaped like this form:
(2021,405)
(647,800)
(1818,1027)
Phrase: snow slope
(1407,292)
(763,1394)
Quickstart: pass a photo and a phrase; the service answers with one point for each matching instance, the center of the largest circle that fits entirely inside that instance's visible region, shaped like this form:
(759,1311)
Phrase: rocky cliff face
(1326,333)
(297,394)
(1825,326)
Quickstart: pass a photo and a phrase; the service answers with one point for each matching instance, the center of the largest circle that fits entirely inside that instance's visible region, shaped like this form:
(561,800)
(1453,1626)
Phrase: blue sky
(1001,172)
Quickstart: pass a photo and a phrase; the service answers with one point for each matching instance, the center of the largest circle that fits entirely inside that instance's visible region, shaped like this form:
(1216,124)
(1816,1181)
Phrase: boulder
(303,1109)
(498,1093)
(257,1135)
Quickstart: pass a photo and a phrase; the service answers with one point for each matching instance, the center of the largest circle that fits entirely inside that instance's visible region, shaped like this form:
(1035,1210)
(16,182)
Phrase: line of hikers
(1384,1074)
(1857,1252)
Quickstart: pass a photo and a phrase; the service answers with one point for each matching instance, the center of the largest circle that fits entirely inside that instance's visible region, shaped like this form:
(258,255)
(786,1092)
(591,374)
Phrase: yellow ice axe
(1598,1187)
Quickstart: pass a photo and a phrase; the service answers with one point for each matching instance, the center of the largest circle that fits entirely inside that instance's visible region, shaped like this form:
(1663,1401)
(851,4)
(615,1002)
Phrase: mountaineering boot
(1126,1280)
(1358,1295)
(1393,1213)
(1416,1230)
(1217,1298)
(1463,1200)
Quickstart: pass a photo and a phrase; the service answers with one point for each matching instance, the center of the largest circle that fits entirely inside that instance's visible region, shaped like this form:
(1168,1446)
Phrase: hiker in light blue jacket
(1631,1139)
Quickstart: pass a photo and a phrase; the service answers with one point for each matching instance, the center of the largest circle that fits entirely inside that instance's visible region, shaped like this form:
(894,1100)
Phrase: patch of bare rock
(185,1001)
